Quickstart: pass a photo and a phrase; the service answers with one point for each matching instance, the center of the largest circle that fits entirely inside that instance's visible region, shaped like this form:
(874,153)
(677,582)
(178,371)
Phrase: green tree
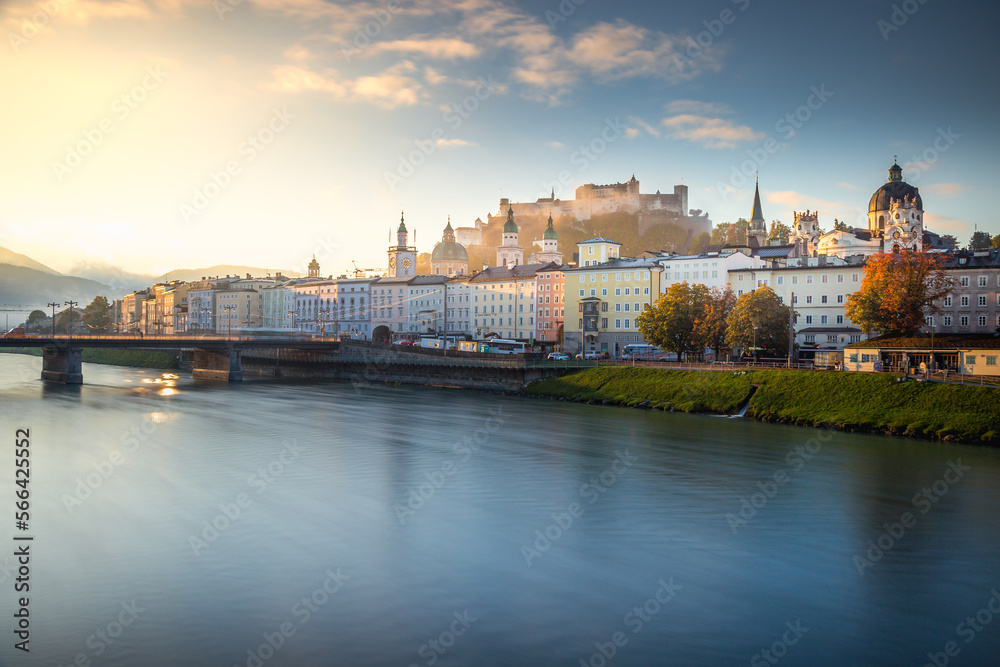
(711,326)
(980,241)
(779,231)
(951,240)
(700,243)
(996,242)
(95,316)
(839,226)
(670,322)
(898,290)
(731,233)
(762,310)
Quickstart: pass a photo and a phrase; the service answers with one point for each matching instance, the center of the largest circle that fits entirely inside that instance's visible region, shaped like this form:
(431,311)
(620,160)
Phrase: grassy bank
(133,358)
(849,401)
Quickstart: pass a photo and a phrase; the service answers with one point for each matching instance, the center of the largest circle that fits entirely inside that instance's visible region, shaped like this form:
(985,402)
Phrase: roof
(599,239)
(550,232)
(621,263)
(829,330)
(449,251)
(942,343)
(775,251)
(429,280)
(757,215)
(510,227)
(499,273)
(896,188)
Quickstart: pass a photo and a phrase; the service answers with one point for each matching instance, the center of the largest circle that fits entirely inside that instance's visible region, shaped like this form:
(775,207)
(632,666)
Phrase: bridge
(215,357)
(228,358)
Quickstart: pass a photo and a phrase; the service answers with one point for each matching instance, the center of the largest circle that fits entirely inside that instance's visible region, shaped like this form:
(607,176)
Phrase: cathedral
(449,258)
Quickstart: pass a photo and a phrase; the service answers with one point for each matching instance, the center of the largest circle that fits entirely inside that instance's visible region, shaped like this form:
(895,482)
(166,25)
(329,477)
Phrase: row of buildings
(590,303)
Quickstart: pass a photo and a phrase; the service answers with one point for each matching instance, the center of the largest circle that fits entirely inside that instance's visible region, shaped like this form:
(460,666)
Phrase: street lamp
(755,345)
(229,316)
(71,304)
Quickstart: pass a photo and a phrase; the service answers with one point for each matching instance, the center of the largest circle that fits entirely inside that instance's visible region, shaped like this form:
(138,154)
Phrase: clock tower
(402,257)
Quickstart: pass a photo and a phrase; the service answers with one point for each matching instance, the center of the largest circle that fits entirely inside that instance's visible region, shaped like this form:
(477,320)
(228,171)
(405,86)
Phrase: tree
(839,226)
(670,322)
(898,290)
(710,327)
(950,240)
(700,243)
(996,242)
(980,241)
(763,310)
(95,316)
(780,231)
(731,233)
(36,316)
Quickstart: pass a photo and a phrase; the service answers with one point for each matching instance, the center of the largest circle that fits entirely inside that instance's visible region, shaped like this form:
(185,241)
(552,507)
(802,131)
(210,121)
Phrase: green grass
(853,401)
(133,358)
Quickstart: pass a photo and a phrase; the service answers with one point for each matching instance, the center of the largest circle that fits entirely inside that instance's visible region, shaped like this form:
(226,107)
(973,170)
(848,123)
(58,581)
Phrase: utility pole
(53,317)
(791,329)
(71,304)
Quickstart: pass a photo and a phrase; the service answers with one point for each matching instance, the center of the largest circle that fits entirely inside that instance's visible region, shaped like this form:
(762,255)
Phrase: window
(809,298)
(635,307)
(854,277)
(618,290)
(581,292)
(853,358)
(947,320)
(991,360)
(822,299)
(824,278)
(715,274)
(809,319)
(604,323)
(795,280)
(970,359)
(947,301)
(982,320)
(795,299)
(965,301)
(963,321)
(982,283)
(593,292)
(865,358)
(840,298)
(645,291)
(626,307)
(840,319)
(780,280)
(982,299)
(604,307)
(628,291)
(840,277)
(823,319)
(604,291)
(810,338)
(618,308)
(855,338)
(618,324)
(809,280)
(740,277)
(628,324)
(965,281)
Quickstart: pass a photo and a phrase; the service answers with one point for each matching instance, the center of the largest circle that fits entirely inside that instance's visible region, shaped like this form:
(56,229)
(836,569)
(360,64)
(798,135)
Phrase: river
(267,523)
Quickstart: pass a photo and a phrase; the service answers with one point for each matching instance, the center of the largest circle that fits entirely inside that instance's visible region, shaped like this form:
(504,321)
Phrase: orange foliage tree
(898,290)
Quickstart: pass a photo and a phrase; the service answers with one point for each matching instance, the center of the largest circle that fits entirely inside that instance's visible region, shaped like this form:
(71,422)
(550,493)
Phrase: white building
(710,269)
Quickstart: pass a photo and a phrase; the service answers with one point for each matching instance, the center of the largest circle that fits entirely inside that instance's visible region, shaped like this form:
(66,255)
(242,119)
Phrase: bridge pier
(62,365)
(222,365)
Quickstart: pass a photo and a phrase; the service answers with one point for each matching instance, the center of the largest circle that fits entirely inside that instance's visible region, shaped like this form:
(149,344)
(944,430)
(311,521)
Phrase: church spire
(757,217)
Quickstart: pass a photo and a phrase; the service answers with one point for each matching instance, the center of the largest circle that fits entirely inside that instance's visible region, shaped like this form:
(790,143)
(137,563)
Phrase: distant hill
(20,285)
(122,282)
(222,270)
(17,259)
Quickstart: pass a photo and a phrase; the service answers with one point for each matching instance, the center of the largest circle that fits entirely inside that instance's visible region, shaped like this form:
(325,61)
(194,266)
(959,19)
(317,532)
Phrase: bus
(643,352)
(502,346)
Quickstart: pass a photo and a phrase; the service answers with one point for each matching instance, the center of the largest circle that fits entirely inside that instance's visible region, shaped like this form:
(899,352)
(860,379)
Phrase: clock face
(392,261)
(406,263)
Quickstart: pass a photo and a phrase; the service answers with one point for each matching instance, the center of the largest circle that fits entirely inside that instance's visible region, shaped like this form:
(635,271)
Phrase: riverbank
(844,401)
(160,361)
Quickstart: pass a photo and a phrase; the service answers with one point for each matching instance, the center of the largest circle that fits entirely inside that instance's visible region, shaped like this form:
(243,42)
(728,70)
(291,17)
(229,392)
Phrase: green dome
(449,251)
(510,227)
(550,233)
(402,225)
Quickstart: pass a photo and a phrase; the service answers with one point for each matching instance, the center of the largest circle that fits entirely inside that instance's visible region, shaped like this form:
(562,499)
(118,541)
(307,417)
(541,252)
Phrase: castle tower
(402,257)
(510,253)
(550,245)
(314,268)
(757,233)
(907,229)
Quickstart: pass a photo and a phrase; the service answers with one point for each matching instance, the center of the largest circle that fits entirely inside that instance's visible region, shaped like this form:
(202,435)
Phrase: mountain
(20,285)
(17,259)
(222,270)
(122,282)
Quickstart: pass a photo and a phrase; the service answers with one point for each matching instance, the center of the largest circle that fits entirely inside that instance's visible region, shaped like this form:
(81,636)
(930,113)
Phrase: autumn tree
(731,233)
(670,323)
(762,310)
(711,326)
(898,290)
(779,231)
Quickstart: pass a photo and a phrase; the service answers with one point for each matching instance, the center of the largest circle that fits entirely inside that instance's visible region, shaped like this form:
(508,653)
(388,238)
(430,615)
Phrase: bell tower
(510,253)
(402,257)
(757,233)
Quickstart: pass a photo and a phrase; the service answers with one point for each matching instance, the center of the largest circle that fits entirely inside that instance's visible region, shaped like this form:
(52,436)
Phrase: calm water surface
(410,526)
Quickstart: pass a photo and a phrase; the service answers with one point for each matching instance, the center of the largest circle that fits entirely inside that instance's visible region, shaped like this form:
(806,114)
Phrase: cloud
(453,143)
(443,48)
(848,186)
(555,144)
(389,89)
(946,225)
(698,108)
(633,132)
(714,133)
(947,189)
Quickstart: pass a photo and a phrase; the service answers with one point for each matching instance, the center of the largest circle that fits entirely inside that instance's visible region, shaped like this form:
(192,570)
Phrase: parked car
(405,343)
(16,332)
(559,356)
(593,356)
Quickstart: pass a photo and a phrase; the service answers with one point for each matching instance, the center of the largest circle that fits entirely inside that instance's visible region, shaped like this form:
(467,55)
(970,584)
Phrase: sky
(163,134)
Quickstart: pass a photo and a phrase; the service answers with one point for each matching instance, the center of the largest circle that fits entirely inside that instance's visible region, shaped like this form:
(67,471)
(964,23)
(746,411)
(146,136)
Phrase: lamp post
(229,317)
(755,345)
(53,317)
(71,304)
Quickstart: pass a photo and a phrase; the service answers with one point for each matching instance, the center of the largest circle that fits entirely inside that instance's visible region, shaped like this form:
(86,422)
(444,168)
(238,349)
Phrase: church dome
(550,233)
(449,251)
(896,188)
(510,227)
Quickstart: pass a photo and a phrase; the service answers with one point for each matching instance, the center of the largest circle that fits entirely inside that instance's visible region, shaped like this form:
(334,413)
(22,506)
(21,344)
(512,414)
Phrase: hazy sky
(161,134)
